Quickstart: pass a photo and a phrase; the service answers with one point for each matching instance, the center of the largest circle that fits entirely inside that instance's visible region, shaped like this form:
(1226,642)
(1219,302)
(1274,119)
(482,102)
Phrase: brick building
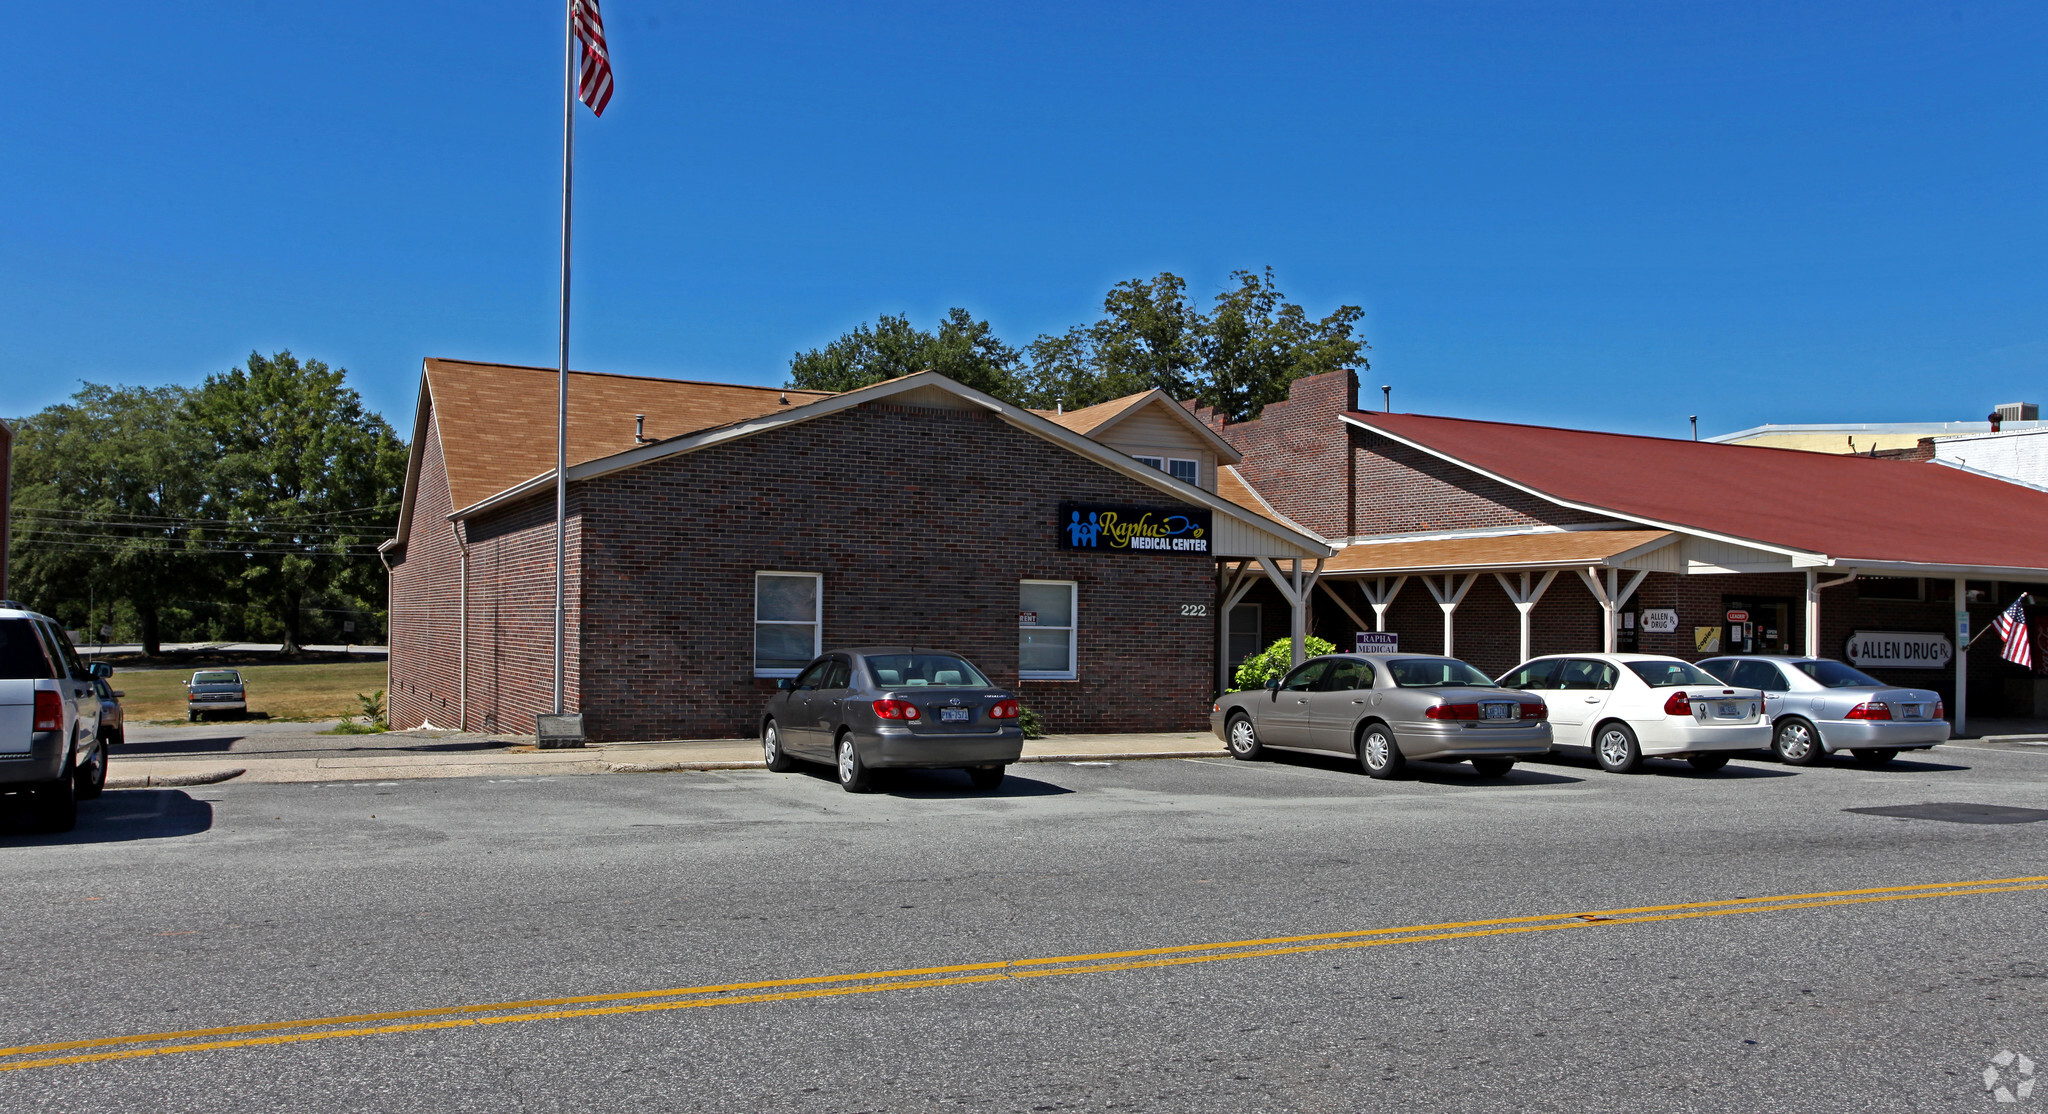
(720,536)
(1497,542)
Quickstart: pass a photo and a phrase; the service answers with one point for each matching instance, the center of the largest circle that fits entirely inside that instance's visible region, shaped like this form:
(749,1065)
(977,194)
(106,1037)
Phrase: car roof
(1603,656)
(25,613)
(866,651)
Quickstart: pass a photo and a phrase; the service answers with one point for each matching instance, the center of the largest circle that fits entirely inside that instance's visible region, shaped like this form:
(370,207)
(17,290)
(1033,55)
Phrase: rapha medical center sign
(1891,649)
(1144,530)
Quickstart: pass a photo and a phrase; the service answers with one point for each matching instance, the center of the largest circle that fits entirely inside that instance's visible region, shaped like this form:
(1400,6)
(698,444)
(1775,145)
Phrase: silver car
(1817,707)
(1385,709)
(887,707)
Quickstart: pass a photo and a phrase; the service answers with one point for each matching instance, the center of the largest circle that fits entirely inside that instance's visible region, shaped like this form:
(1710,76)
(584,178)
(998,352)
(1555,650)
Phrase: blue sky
(1605,215)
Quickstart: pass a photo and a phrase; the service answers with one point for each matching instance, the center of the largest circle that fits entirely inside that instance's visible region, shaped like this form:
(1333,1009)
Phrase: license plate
(1727,711)
(955,715)
(1498,711)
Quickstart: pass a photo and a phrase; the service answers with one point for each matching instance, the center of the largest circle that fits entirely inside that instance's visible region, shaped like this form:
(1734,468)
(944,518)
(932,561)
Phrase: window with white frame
(1045,630)
(1158,462)
(1186,471)
(788,616)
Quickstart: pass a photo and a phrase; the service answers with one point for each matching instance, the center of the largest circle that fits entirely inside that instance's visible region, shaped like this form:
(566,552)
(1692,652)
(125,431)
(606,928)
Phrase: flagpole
(562,393)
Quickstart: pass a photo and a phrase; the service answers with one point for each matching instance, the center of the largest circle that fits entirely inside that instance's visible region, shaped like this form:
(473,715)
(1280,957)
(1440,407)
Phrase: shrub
(373,717)
(1275,661)
(1034,728)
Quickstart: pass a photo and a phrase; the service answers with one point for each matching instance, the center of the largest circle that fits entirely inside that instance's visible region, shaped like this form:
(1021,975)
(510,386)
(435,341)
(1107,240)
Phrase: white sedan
(1626,707)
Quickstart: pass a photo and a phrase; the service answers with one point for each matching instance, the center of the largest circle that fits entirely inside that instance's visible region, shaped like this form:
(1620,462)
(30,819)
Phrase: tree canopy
(1237,356)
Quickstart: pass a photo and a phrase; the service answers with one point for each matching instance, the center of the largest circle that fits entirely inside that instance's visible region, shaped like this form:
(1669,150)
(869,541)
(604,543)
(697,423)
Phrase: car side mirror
(100,669)
(784,684)
(118,694)
(1272,684)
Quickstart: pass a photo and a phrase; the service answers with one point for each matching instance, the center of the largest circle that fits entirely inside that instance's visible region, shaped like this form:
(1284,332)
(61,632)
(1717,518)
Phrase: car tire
(1874,756)
(89,780)
(772,753)
(986,778)
(1492,767)
(1241,738)
(854,775)
(1379,754)
(194,716)
(1707,763)
(57,805)
(1616,749)
(1796,742)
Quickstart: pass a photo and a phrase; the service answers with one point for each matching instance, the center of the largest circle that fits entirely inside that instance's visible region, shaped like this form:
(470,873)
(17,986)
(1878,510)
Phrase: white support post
(1333,594)
(1813,613)
(1300,601)
(1381,597)
(1611,597)
(1449,597)
(1291,592)
(1525,600)
(1236,582)
(1959,715)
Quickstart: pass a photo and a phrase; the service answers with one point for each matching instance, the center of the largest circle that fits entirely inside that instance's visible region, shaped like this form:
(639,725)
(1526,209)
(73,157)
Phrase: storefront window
(788,612)
(1045,630)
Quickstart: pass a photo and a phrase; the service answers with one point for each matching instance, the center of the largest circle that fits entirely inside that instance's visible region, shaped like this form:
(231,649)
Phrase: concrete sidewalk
(520,759)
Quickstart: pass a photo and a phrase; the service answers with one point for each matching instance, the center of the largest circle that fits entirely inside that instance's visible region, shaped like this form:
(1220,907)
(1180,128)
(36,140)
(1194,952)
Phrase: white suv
(52,753)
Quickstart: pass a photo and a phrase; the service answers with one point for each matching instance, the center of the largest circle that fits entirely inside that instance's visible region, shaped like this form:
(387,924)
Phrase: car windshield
(1670,674)
(1430,673)
(220,677)
(916,670)
(1835,675)
(21,653)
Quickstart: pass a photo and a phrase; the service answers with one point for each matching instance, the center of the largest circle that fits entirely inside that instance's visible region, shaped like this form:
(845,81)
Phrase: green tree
(305,482)
(963,349)
(104,488)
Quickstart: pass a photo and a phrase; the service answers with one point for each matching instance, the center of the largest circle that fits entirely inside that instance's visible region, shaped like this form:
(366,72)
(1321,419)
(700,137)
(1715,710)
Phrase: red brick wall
(922,522)
(425,590)
(1294,451)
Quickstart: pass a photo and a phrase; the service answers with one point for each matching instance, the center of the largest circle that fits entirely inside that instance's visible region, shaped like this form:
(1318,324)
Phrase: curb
(686,767)
(173,780)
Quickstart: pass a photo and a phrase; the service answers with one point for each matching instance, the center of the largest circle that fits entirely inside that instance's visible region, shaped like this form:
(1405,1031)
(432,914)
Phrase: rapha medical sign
(1378,642)
(1890,649)
(1100,528)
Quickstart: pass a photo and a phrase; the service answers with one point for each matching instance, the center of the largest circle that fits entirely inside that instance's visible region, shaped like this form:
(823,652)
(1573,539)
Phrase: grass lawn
(301,692)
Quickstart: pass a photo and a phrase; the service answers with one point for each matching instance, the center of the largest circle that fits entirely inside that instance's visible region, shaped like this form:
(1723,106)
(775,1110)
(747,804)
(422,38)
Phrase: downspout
(462,639)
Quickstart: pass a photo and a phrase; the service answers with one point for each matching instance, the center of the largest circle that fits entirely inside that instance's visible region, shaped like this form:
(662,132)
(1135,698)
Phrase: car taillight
(49,712)
(1678,704)
(1538,710)
(1875,709)
(1452,711)
(1003,709)
(1939,711)
(888,708)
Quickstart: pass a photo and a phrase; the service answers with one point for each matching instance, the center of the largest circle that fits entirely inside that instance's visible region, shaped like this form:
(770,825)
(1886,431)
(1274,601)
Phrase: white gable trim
(1226,453)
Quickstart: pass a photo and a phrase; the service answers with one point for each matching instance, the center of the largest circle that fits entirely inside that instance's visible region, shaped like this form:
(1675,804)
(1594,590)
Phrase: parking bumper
(1844,734)
(43,762)
(900,748)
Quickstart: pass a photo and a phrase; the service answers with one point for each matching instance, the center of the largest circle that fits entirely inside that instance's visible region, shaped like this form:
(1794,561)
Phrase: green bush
(1034,728)
(373,717)
(1275,661)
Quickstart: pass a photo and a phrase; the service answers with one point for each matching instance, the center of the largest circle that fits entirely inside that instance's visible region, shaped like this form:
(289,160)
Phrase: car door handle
(1358,701)
(1592,700)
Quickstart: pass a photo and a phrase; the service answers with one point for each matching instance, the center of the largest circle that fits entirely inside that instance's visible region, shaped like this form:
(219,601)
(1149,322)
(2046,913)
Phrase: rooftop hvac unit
(2019,412)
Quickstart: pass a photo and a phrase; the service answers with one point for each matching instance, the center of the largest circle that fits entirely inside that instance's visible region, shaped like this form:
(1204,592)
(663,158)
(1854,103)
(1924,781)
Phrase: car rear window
(218,678)
(1670,674)
(918,670)
(21,653)
(1835,675)
(1429,673)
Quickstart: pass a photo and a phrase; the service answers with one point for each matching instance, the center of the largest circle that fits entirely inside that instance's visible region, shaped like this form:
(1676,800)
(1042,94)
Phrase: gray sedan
(1385,709)
(892,707)
(1817,707)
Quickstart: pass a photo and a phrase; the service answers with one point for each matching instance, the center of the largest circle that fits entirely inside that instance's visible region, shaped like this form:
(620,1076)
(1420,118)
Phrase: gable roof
(1096,420)
(497,420)
(1851,510)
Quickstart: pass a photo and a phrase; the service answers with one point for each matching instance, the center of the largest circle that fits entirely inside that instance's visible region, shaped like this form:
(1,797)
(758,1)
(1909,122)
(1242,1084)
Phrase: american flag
(594,86)
(2019,642)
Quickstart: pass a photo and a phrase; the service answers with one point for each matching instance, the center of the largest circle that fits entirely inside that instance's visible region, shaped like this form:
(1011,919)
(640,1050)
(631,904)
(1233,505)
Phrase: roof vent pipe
(1695,427)
(1387,396)
(783,398)
(640,430)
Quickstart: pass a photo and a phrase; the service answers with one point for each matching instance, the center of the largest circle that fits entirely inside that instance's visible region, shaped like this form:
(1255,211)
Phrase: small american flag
(594,84)
(2019,641)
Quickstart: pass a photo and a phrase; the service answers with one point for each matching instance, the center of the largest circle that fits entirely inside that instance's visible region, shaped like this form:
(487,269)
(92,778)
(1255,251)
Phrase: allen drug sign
(1887,649)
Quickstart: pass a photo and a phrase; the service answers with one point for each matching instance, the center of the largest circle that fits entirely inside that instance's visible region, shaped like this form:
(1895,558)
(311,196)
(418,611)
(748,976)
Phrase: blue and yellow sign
(1134,529)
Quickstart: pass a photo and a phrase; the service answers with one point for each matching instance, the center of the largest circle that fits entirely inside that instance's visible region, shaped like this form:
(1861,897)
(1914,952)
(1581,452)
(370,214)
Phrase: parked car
(216,692)
(113,720)
(1626,707)
(1816,707)
(875,708)
(52,751)
(1383,710)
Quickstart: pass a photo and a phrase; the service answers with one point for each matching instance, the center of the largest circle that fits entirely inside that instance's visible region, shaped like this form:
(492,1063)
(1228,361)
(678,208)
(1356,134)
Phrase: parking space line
(827,986)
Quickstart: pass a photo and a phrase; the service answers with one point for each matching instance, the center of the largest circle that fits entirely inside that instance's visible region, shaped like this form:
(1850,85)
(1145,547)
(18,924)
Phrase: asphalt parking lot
(1096,936)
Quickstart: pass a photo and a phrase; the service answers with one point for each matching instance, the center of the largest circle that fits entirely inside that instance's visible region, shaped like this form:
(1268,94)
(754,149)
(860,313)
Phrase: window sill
(1048,677)
(775,674)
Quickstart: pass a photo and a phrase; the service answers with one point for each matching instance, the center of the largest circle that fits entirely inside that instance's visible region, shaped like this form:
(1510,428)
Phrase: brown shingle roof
(497,420)
(1087,418)
(1572,547)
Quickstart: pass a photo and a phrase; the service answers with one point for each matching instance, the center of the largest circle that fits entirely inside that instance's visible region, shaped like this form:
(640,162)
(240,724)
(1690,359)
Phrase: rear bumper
(1695,738)
(43,762)
(1842,734)
(1452,740)
(216,705)
(900,748)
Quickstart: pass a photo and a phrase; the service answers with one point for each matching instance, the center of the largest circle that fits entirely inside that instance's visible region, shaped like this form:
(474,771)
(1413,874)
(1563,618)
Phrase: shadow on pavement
(212,744)
(952,784)
(434,748)
(119,816)
(1427,772)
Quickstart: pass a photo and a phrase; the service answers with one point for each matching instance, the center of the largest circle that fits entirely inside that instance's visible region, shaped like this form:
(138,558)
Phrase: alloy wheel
(1795,742)
(1613,747)
(846,759)
(771,745)
(1242,738)
(1377,746)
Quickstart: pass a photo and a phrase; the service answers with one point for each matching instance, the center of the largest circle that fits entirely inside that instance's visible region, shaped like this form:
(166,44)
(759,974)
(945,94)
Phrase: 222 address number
(1196,609)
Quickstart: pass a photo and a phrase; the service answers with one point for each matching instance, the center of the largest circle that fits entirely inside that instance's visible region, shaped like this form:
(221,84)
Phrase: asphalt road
(249,905)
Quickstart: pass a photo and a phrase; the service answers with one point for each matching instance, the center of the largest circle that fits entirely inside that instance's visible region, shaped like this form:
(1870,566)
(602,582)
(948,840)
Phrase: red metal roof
(1847,507)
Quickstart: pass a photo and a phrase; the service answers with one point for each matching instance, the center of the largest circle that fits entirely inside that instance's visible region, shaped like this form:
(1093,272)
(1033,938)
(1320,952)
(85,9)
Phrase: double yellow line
(875,982)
